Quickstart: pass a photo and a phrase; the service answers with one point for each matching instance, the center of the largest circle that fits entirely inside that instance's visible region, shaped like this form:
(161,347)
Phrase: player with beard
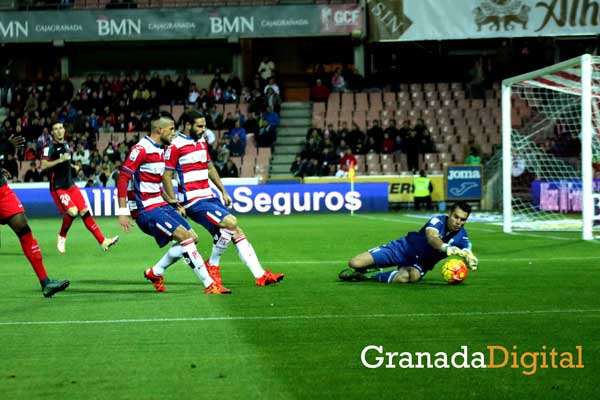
(187,158)
(140,194)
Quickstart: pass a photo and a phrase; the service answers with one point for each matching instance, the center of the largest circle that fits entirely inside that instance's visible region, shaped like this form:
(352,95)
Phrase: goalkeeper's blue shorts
(394,253)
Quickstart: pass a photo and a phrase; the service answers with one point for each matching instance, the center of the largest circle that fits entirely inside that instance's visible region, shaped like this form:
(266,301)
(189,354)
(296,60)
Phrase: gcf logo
(501,12)
(341,18)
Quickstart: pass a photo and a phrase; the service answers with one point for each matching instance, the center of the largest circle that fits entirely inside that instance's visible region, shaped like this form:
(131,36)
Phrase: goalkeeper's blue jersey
(419,249)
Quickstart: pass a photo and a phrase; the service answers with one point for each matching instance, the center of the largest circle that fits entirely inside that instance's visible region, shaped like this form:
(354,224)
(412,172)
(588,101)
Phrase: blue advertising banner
(464,182)
(257,199)
(560,195)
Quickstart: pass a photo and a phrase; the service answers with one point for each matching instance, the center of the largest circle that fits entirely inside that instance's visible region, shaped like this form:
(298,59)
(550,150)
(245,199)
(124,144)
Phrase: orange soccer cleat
(215,272)
(269,278)
(157,281)
(215,288)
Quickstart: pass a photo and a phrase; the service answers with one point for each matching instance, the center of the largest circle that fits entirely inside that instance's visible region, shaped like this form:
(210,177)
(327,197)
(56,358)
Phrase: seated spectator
(236,147)
(229,170)
(266,135)
(424,137)
(209,136)
(313,168)
(235,82)
(330,133)
(215,118)
(238,130)
(319,92)
(387,147)
(404,132)
(296,167)
(251,124)
(338,84)
(30,152)
(309,132)
(313,146)
(347,160)
(473,157)
(356,139)
(204,101)
(230,95)
(216,94)
(392,129)
(371,146)
(113,175)
(34,173)
(223,153)
(342,134)
(376,133)
(9,163)
(272,117)
(330,159)
(193,94)
(81,154)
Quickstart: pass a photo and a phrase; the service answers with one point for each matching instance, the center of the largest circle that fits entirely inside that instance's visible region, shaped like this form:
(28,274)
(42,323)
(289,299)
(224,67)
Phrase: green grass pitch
(111,336)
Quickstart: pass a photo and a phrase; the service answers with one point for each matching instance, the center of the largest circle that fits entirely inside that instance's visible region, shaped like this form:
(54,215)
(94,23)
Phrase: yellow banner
(400,188)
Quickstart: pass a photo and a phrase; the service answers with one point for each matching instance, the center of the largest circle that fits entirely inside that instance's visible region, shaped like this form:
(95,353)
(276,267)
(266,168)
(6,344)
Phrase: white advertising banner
(397,20)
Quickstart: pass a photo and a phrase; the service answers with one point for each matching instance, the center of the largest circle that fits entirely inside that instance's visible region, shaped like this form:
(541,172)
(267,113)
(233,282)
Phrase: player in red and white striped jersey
(188,157)
(139,187)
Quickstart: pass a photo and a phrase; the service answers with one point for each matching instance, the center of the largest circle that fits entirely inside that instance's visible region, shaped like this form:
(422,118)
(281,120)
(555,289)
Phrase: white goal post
(550,139)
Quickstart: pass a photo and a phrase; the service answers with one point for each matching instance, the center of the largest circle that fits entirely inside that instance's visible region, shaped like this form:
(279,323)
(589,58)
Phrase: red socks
(34,255)
(93,227)
(66,224)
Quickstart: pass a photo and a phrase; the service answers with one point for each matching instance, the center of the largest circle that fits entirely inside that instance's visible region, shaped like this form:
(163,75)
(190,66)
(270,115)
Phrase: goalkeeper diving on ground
(418,252)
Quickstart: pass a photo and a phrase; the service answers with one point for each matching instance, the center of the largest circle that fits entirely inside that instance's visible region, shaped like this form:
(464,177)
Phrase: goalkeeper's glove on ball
(470,259)
(452,250)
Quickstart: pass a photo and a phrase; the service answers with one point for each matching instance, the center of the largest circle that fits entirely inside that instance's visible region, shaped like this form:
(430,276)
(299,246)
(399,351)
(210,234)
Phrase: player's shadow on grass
(142,282)
(107,291)
(414,286)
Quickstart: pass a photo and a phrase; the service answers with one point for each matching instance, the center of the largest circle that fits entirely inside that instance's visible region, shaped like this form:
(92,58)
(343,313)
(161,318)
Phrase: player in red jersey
(67,196)
(188,157)
(12,213)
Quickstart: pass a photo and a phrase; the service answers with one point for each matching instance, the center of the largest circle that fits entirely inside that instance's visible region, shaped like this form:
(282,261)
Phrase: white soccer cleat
(109,243)
(61,244)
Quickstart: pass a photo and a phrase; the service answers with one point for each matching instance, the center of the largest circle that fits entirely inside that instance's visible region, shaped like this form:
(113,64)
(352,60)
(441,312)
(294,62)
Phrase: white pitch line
(297,317)
(412,219)
(584,258)
(478,229)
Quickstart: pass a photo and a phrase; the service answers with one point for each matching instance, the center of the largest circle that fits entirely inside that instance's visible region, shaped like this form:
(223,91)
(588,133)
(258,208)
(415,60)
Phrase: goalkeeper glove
(470,259)
(452,250)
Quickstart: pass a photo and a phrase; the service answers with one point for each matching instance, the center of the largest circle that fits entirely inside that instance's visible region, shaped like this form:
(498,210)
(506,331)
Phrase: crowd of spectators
(325,148)
(124,103)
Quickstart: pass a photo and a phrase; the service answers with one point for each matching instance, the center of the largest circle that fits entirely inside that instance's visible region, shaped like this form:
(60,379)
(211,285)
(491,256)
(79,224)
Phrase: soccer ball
(454,271)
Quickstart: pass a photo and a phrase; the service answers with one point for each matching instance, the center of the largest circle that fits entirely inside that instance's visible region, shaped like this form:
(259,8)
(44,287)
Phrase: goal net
(551,147)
